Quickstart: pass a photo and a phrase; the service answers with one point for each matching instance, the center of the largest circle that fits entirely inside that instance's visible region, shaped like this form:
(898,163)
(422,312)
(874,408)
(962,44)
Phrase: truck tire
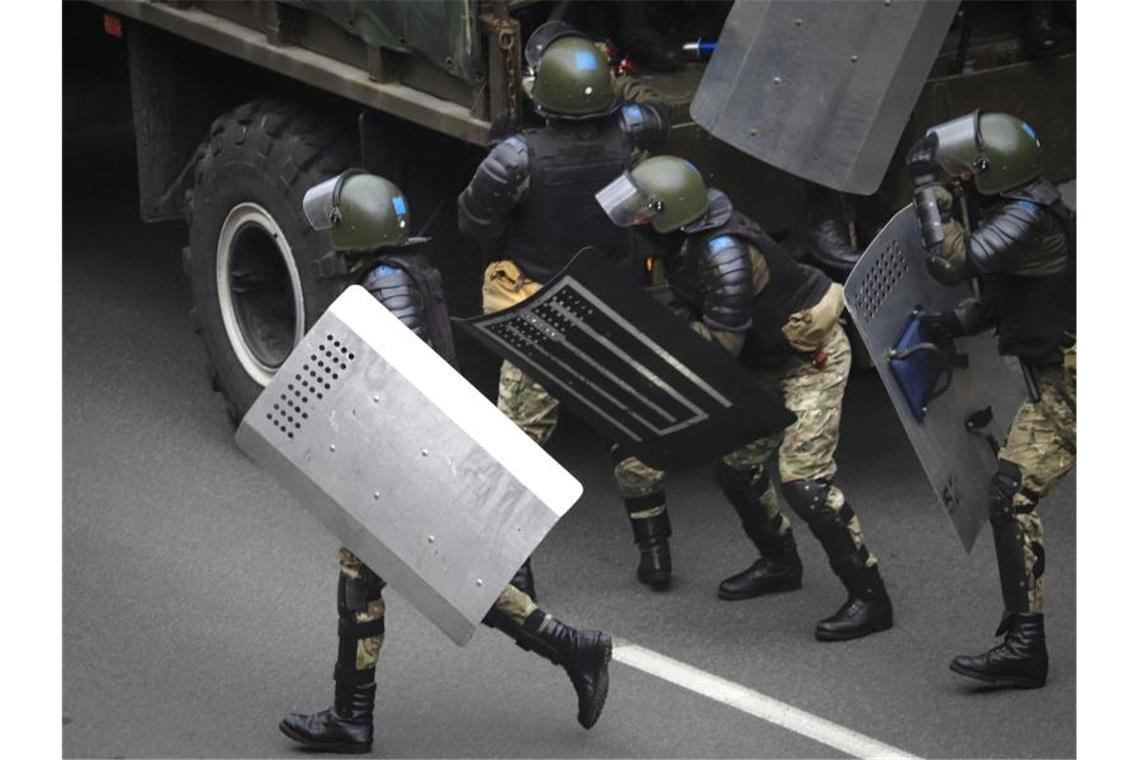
(252,255)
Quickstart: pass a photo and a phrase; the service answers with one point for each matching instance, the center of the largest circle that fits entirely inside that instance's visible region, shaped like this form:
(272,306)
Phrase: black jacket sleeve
(499,183)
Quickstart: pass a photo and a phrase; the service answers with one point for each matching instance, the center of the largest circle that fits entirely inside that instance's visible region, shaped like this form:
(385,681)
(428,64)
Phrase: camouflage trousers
(1042,442)
(805,449)
(512,602)
(521,399)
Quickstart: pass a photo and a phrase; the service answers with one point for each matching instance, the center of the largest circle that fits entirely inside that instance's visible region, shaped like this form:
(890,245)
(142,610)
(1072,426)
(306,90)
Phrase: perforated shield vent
(879,281)
(329,364)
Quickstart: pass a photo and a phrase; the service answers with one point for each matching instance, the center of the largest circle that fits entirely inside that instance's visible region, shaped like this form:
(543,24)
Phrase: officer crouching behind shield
(782,319)
(367,219)
(1023,254)
(530,207)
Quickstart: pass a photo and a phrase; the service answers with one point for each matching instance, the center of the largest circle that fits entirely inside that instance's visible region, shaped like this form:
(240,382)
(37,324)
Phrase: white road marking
(753,702)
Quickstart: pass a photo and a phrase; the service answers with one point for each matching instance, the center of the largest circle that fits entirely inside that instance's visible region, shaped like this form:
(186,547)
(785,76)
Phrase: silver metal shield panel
(406,463)
(887,284)
(822,90)
(631,368)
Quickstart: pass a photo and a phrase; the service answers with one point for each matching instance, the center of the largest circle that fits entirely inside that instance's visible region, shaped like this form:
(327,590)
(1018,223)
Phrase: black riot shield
(632,369)
(954,399)
(822,90)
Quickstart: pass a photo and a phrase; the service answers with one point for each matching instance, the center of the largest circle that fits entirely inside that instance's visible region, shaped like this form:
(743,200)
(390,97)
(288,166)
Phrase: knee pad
(1004,485)
(354,594)
(808,499)
(739,485)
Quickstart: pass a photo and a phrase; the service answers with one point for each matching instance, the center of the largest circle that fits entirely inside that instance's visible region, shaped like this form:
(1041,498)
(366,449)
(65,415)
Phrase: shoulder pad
(644,123)
(510,156)
(632,117)
(721,242)
(726,279)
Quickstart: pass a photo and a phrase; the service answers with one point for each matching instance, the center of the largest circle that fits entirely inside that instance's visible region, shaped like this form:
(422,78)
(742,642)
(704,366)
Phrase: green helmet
(667,191)
(361,211)
(999,150)
(572,76)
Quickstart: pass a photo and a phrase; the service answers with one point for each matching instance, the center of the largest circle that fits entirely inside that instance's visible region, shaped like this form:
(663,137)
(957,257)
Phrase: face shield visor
(625,204)
(961,148)
(541,38)
(321,203)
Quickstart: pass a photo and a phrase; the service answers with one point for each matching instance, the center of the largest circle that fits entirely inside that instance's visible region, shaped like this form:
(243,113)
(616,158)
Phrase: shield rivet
(775,80)
(375,399)
(332,447)
(376,495)
(478,581)
(431,539)
(423,452)
(854,59)
(799,22)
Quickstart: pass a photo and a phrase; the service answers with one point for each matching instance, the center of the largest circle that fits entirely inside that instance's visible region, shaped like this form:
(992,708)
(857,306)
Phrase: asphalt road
(198,596)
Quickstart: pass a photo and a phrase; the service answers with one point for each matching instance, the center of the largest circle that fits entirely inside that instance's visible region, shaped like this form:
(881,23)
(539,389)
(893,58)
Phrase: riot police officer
(1024,257)
(530,206)
(780,318)
(367,219)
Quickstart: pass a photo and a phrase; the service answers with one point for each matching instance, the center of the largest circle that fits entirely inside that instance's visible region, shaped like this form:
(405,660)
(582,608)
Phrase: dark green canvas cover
(446,31)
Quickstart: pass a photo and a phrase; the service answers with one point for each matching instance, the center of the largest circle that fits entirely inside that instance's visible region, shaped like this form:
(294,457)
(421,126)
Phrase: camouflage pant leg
(815,395)
(1042,442)
(518,606)
(637,480)
(367,649)
(753,456)
(527,404)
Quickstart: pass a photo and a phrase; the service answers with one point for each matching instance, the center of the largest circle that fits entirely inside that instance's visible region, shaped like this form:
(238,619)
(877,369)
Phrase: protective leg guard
(347,725)
(868,608)
(779,567)
(584,655)
(523,580)
(1008,539)
(651,534)
(1020,661)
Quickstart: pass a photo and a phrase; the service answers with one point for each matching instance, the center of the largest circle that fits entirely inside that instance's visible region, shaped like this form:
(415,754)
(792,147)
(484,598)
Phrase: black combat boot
(652,537)
(584,655)
(779,567)
(1020,661)
(524,580)
(344,727)
(868,608)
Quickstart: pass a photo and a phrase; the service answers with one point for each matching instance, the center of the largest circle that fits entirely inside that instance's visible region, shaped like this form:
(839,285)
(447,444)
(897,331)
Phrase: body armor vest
(1037,315)
(567,164)
(791,287)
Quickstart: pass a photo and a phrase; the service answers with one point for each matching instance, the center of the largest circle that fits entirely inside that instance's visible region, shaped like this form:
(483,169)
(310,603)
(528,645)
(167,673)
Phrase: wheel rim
(259,291)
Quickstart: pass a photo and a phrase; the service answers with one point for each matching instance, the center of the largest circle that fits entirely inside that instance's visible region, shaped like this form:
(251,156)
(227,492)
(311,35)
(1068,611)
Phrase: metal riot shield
(948,429)
(821,89)
(598,342)
(405,462)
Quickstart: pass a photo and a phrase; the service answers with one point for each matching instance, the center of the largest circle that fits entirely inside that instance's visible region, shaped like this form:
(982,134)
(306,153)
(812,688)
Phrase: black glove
(944,270)
(941,326)
(920,161)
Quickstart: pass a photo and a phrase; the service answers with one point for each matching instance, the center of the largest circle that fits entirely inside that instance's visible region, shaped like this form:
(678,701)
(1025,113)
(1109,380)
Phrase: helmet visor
(959,143)
(541,37)
(625,204)
(318,203)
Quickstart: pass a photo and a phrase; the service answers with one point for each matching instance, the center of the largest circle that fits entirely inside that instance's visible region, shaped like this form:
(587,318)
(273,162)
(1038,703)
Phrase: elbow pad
(645,124)
(396,291)
(499,183)
(726,280)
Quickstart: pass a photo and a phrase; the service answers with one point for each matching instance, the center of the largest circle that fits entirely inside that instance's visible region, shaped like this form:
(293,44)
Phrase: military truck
(238,107)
